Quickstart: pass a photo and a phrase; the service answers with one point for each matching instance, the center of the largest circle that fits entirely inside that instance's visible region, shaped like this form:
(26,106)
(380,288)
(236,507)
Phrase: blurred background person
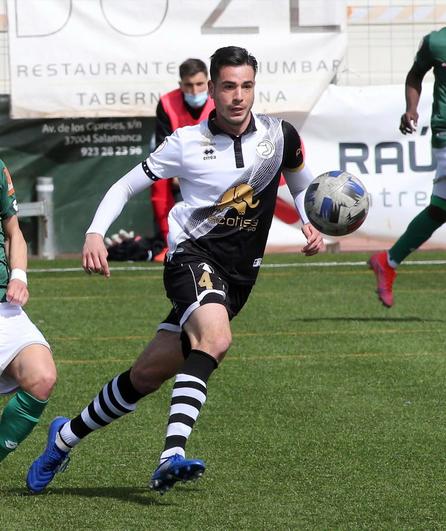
(187,105)
(431,54)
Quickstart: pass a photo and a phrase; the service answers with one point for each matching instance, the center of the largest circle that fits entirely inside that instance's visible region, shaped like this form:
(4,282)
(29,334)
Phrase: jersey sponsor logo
(265,149)
(9,181)
(239,198)
(209,154)
(11,445)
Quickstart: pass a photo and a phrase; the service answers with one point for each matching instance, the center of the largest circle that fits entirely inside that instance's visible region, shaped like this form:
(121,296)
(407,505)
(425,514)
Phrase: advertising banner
(84,156)
(350,128)
(109,58)
(356,129)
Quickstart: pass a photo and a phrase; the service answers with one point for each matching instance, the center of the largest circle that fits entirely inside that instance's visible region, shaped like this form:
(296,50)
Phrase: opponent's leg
(18,419)
(419,230)
(35,373)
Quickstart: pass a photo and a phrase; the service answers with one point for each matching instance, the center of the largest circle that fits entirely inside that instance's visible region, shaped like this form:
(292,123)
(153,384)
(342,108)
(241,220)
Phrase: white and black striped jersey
(229,187)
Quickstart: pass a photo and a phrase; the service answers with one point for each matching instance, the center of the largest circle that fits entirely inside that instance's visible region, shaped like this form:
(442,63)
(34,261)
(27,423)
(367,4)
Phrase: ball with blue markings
(336,203)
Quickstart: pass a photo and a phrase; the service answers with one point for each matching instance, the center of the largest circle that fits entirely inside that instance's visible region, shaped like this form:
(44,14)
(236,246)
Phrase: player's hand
(408,123)
(315,243)
(17,292)
(94,255)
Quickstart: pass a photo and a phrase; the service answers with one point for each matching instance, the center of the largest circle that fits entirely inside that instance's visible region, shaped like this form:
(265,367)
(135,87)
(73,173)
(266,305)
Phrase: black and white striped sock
(117,398)
(188,396)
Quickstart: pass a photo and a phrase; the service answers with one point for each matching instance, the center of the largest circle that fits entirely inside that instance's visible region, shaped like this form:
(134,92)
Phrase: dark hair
(190,67)
(231,56)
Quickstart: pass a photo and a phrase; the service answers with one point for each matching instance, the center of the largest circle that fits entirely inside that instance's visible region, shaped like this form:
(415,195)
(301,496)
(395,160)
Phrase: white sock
(61,445)
(391,262)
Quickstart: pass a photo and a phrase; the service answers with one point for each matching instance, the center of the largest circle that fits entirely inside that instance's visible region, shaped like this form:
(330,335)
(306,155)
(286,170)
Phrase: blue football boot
(53,460)
(173,469)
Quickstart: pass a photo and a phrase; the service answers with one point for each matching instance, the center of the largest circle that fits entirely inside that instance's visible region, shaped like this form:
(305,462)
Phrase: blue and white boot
(173,469)
(53,460)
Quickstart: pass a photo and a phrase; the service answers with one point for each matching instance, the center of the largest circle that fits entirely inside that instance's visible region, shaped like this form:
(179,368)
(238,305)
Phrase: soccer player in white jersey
(229,168)
(27,370)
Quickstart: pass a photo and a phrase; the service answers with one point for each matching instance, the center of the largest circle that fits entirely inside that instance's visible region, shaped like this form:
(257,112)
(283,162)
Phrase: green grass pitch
(329,411)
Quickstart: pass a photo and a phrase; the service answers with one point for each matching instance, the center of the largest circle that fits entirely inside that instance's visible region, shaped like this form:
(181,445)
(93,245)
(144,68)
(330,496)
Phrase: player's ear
(211,89)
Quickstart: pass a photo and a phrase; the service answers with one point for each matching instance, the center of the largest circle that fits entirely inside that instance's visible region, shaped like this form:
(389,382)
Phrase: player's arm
(298,177)
(17,289)
(413,86)
(161,164)
(15,245)
(163,128)
(94,253)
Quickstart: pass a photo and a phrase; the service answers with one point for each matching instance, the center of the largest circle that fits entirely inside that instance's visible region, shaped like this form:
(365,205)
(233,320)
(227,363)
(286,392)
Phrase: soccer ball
(336,203)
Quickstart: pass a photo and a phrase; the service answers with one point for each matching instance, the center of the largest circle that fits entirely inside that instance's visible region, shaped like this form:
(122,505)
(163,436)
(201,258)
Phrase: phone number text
(110,151)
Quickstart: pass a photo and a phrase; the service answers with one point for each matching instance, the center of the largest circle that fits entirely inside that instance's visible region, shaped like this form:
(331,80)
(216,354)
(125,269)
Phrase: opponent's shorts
(16,332)
(439,187)
(190,285)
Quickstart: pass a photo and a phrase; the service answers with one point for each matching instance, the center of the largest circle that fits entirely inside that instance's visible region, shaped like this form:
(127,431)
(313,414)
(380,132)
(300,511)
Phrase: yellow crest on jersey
(239,197)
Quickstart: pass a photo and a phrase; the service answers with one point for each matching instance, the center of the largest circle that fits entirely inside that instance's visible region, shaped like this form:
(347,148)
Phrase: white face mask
(196,100)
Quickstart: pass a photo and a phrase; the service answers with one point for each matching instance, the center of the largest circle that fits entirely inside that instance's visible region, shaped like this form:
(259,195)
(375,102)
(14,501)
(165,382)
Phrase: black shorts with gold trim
(192,283)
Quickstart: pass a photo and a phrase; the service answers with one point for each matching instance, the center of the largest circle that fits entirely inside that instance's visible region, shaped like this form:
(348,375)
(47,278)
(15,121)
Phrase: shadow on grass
(134,495)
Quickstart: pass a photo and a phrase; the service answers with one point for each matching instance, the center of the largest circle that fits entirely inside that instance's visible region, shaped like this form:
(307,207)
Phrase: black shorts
(192,284)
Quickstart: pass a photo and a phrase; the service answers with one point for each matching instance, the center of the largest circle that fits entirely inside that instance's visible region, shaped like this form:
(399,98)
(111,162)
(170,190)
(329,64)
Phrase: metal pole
(46,241)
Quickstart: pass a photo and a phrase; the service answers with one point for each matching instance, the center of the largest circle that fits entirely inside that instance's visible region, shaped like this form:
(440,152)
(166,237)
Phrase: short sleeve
(423,57)
(165,161)
(293,152)
(8,202)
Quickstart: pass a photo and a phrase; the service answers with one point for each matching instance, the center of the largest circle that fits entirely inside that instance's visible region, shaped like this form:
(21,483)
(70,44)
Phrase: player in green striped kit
(27,369)
(431,54)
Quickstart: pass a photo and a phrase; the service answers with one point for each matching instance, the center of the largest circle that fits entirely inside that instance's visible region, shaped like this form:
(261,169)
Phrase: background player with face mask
(187,105)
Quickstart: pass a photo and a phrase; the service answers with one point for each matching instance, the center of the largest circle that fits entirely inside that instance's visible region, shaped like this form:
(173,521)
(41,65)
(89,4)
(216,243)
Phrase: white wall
(383,36)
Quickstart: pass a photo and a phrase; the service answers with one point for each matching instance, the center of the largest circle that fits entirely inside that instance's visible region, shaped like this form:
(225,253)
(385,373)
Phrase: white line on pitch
(264,266)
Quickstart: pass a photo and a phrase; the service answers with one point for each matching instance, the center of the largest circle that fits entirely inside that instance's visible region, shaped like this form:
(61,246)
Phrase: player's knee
(436,213)
(142,381)
(223,344)
(159,361)
(147,380)
(42,383)
(216,346)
